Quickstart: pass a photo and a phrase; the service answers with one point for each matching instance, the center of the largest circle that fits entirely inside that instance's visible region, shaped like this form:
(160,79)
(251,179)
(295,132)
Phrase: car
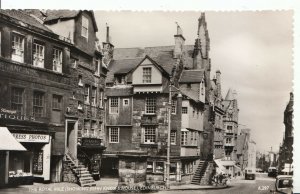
(249,174)
(272,172)
(283,184)
(259,170)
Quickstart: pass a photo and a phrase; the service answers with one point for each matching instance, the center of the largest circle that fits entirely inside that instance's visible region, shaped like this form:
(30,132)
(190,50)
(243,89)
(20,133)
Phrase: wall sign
(90,142)
(13,115)
(33,138)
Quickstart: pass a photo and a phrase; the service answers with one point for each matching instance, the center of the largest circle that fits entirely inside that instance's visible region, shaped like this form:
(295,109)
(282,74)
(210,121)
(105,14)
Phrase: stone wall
(68,175)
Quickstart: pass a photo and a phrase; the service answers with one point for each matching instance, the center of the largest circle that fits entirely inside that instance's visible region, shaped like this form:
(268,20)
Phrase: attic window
(84,27)
(147,75)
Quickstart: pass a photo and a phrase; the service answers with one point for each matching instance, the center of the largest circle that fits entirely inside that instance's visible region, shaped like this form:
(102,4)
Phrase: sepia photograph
(95,101)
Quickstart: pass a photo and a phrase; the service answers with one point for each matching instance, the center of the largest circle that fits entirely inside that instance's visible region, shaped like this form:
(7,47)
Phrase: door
(71,138)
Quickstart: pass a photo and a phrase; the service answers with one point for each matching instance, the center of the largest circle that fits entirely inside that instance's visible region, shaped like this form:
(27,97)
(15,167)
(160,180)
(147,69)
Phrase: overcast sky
(253,51)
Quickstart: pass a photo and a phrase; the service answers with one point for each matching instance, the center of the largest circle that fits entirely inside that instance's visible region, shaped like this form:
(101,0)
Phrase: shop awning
(8,142)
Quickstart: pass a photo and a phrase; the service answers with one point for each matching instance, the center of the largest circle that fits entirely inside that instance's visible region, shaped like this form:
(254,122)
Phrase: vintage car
(283,184)
(272,172)
(249,174)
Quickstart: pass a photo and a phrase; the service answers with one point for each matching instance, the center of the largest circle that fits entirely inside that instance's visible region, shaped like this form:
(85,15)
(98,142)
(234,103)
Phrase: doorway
(71,138)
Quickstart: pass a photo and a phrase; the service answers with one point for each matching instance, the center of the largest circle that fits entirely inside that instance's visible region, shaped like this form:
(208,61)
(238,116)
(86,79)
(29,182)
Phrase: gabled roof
(53,15)
(25,18)
(191,76)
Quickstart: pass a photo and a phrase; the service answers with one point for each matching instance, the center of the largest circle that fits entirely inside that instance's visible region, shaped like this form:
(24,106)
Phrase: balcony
(149,120)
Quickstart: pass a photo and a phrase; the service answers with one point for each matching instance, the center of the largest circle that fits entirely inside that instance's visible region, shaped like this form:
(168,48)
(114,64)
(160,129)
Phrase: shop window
(94,92)
(87,94)
(114,105)
(173,137)
(38,54)
(150,135)
(57,60)
(114,135)
(38,104)
(147,75)
(159,167)
(84,27)
(126,102)
(17,99)
(184,110)
(150,167)
(150,105)
(17,48)
(174,103)
(184,137)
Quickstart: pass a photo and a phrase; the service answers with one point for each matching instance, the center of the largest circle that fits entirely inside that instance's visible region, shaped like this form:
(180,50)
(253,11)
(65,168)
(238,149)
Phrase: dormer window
(147,75)
(84,27)
(17,48)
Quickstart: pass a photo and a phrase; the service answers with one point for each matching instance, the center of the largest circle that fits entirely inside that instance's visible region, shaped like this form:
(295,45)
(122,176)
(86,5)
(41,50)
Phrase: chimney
(218,74)
(108,48)
(179,43)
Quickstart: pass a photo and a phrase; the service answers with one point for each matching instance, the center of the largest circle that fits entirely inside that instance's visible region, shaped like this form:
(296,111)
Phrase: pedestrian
(221,178)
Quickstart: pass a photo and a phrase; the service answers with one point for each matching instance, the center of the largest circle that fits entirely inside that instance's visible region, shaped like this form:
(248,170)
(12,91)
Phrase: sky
(253,51)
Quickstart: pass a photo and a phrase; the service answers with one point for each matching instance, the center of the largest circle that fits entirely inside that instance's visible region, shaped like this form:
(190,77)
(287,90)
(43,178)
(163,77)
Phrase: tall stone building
(35,90)
(139,82)
(285,160)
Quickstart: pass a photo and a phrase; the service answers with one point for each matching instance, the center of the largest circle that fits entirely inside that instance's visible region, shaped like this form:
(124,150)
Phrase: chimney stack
(108,48)
(179,43)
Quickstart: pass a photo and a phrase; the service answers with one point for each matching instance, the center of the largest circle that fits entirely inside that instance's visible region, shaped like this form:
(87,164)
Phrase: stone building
(34,90)
(285,160)
(138,89)
(84,120)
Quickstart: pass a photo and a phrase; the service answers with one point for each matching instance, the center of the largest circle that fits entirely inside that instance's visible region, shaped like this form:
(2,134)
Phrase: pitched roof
(25,18)
(191,76)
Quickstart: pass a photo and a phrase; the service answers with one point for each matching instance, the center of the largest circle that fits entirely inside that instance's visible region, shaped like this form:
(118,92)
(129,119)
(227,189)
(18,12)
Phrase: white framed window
(101,98)
(87,94)
(17,99)
(150,105)
(184,137)
(147,74)
(150,135)
(114,105)
(184,110)
(17,48)
(94,95)
(125,102)
(38,55)
(38,104)
(84,27)
(114,133)
(98,66)
(173,137)
(57,60)
(80,80)
(174,104)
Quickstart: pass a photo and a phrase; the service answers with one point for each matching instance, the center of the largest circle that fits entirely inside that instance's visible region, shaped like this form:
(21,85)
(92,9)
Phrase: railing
(73,160)
(86,159)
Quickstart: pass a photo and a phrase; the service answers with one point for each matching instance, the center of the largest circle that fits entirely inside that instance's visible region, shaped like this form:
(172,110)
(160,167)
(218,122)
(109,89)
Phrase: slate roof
(126,59)
(191,76)
(25,18)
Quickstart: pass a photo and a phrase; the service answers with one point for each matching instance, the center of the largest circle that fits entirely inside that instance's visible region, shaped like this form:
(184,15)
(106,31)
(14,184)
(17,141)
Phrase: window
(150,134)
(114,135)
(126,102)
(149,166)
(183,137)
(184,110)
(228,140)
(56,102)
(38,104)
(150,105)
(87,94)
(94,92)
(173,137)
(147,75)
(17,48)
(79,107)
(173,167)
(17,100)
(94,128)
(84,27)
(173,110)
(229,128)
(74,62)
(98,65)
(114,105)
(101,98)
(87,126)
(38,54)
(159,167)
(57,60)
(80,80)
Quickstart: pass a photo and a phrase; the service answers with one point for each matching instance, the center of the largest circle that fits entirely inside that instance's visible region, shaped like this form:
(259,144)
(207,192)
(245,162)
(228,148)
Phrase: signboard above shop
(32,138)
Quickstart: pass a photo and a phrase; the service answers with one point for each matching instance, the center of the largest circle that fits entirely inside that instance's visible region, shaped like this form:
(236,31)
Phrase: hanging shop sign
(14,115)
(91,142)
(33,138)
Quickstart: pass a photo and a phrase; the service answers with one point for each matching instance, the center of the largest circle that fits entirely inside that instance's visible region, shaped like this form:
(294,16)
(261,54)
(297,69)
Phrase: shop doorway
(71,138)
(110,167)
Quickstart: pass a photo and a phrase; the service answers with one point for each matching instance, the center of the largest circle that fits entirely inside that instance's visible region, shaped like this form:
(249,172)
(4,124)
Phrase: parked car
(283,184)
(249,174)
(259,170)
(272,172)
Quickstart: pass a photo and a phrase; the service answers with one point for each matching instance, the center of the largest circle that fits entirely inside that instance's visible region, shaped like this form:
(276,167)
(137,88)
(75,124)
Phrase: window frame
(150,105)
(17,103)
(57,56)
(174,107)
(184,138)
(59,102)
(87,92)
(173,137)
(184,110)
(110,134)
(114,104)
(94,96)
(84,27)
(147,75)
(150,136)
(36,45)
(124,100)
(37,107)
(17,52)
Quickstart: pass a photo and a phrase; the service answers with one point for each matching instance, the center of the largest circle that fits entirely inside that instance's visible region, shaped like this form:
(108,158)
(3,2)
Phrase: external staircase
(199,173)
(82,173)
